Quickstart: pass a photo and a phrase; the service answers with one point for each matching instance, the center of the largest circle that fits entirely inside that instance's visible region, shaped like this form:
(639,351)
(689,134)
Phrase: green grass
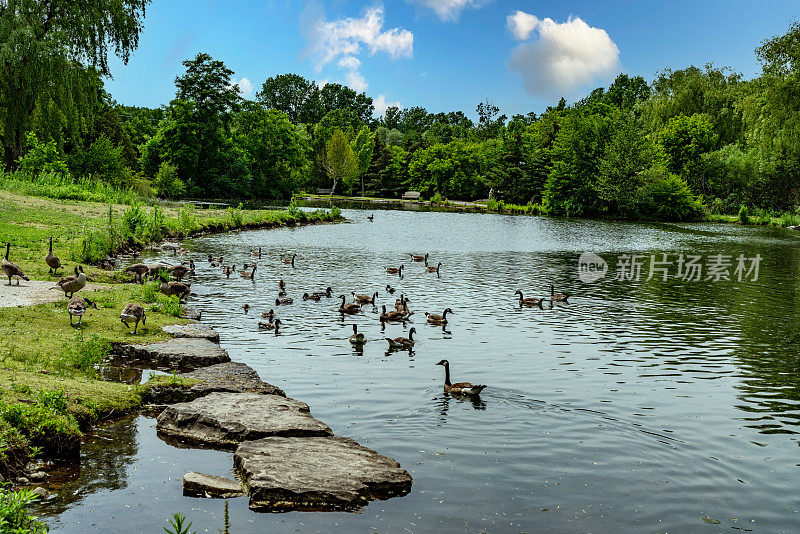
(65,188)
(759,217)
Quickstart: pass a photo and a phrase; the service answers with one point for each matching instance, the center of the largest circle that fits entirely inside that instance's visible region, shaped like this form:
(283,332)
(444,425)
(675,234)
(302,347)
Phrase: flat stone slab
(316,473)
(180,353)
(202,485)
(190,312)
(230,377)
(224,420)
(192,330)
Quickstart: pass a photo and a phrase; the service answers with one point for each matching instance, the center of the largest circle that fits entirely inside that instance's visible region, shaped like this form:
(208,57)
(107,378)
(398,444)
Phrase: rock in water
(201,485)
(224,420)
(180,353)
(317,473)
(231,377)
(194,330)
(190,312)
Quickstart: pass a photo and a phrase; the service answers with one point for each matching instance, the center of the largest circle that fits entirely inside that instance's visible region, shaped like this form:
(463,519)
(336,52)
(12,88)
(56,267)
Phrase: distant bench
(324,191)
(411,195)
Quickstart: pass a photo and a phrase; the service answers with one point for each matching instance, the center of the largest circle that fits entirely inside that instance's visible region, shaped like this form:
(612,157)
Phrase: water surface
(645,406)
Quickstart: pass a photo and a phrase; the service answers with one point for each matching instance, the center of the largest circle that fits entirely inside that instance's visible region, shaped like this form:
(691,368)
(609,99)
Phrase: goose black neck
(51,245)
(444,314)
(342,301)
(8,247)
(447,374)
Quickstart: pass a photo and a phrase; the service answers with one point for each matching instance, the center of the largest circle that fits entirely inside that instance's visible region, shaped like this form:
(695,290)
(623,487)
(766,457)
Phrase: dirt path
(34,292)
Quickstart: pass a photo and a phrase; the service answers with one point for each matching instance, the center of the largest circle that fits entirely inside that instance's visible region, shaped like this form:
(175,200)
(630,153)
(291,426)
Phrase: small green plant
(226,521)
(167,183)
(744,215)
(14,516)
(235,215)
(336,212)
(85,354)
(35,451)
(294,210)
(178,525)
(53,399)
(186,219)
(436,198)
(22,389)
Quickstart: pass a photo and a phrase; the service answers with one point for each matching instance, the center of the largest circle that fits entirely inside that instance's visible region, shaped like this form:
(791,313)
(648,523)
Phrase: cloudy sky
(447,55)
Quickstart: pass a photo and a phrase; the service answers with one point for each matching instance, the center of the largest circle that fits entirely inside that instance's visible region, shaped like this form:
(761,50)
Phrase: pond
(641,405)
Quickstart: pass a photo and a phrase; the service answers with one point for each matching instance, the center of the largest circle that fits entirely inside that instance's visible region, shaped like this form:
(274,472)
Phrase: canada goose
(365,299)
(433,269)
(389,289)
(327,293)
(459,388)
(313,296)
(349,309)
(77,307)
(179,271)
(401,304)
(557,297)
(415,257)
(393,315)
(248,273)
(173,288)
(227,271)
(154,269)
(246,308)
(132,312)
(370,218)
(529,301)
(12,270)
(356,338)
(72,284)
(289,261)
(272,325)
(191,266)
(212,259)
(395,270)
(256,253)
(52,260)
(268,315)
(402,342)
(438,319)
(138,270)
(281,293)
(282,284)
(278,302)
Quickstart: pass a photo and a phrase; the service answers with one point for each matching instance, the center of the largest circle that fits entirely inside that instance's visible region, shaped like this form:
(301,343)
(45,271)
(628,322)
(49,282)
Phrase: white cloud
(521,24)
(343,40)
(244,86)
(381,105)
(565,57)
(449,10)
(356,81)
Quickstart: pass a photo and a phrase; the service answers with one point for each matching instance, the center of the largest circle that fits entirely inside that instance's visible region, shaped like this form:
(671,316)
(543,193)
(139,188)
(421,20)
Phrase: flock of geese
(135,313)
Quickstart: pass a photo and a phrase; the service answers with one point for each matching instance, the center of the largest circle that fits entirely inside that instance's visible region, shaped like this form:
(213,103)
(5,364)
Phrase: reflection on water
(640,406)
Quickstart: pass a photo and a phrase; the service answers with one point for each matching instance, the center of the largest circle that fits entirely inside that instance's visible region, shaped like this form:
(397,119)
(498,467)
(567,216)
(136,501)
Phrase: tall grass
(50,185)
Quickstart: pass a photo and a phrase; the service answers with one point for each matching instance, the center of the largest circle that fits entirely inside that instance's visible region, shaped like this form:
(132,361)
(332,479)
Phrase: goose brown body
(557,297)
(72,284)
(402,342)
(52,260)
(365,299)
(459,388)
(357,338)
(173,288)
(392,316)
(139,270)
(349,309)
(77,307)
(11,269)
(395,270)
(132,312)
(529,302)
(415,257)
(432,318)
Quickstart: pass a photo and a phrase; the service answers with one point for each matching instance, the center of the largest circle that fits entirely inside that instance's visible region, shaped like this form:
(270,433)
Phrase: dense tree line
(694,140)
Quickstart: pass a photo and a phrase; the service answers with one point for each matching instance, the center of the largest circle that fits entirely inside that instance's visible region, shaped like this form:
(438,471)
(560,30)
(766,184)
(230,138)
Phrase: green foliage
(178,525)
(339,160)
(101,161)
(235,215)
(86,354)
(45,423)
(744,215)
(59,186)
(14,515)
(667,197)
(684,140)
(42,158)
(167,183)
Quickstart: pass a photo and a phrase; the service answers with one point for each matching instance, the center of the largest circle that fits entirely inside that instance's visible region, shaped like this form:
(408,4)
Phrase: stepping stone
(180,353)
(202,485)
(190,312)
(193,330)
(316,474)
(224,420)
(230,377)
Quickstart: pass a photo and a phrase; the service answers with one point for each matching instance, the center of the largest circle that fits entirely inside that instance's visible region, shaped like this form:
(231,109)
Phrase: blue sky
(447,55)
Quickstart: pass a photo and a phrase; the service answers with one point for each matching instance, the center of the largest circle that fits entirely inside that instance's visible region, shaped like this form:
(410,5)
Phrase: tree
(363,145)
(338,160)
(336,96)
(293,95)
(44,45)
(489,123)
(684,140)
(207,83)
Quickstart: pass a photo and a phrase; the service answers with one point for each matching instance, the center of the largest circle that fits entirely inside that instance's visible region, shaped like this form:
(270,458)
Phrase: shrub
(294,209)
(167,183)
(744,216)
(85,354)
(42,158)
(667,198)
(436,198)
(235,215)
